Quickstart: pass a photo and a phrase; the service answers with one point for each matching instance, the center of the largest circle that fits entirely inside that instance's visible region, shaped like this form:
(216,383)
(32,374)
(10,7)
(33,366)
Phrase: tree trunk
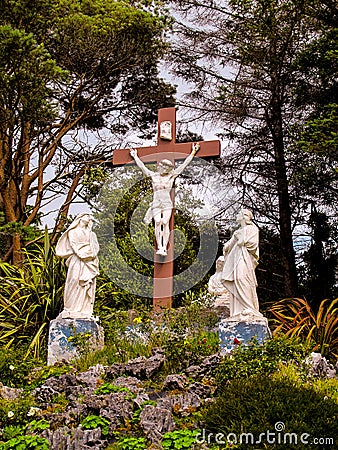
(285,222)
(17,256)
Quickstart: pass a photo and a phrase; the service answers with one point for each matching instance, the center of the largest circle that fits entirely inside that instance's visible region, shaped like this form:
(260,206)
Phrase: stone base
(233,332)
(60,348)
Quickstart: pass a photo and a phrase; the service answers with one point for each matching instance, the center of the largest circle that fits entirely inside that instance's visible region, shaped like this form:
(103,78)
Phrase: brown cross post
(166,148)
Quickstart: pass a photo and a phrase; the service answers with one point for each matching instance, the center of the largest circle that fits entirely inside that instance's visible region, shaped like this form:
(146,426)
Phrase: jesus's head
(165,166)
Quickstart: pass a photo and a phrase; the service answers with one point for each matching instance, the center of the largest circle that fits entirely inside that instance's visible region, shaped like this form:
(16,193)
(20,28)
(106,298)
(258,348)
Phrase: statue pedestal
(61,349)
(233,332)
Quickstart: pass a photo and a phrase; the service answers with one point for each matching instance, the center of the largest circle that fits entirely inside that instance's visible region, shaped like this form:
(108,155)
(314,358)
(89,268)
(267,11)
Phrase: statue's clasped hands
(239,238)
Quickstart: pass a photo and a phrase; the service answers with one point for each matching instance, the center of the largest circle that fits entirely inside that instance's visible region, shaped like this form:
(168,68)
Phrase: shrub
(255,359)
(131,443)
(16,412)
(278,403)
(182,352)
(108,388)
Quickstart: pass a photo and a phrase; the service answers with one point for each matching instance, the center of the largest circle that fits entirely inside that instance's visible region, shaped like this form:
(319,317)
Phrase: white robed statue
(216,287)
(241,254)
(79,245)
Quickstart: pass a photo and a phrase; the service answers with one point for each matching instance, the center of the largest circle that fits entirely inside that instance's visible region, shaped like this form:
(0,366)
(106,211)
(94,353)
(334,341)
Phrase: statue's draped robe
(238,274)
(80,247)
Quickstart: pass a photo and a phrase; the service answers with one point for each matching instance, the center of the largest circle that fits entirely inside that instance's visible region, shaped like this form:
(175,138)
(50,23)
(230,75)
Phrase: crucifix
(167,151)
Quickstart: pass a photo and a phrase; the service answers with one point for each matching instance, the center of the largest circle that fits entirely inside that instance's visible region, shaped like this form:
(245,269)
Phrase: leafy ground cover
(255,390)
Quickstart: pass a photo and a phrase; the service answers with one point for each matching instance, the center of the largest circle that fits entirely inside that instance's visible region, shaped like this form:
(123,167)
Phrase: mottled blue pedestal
(235,332)
(61,349)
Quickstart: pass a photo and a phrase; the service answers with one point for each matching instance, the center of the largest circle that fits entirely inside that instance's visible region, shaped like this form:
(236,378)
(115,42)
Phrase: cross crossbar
(166,148)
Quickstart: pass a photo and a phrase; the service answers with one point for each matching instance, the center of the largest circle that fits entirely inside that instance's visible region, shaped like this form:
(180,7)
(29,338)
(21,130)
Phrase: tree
(67,69)
(317,140)
(241,58)
(321,261)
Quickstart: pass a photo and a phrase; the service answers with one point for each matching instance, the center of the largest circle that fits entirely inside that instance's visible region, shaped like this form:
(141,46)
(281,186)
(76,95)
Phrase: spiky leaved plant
(30,296)
(295,317)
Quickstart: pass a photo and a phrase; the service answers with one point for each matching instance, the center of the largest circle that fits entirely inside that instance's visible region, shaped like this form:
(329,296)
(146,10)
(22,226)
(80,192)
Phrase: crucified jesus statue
(161,207)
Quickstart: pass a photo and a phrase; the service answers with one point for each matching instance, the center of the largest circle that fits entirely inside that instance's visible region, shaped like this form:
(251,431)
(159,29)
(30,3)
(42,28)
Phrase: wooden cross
(166,148)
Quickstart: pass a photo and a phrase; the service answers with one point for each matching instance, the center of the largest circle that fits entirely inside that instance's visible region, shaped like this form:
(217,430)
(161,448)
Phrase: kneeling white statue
(216,287)
(79,245)
(241,259)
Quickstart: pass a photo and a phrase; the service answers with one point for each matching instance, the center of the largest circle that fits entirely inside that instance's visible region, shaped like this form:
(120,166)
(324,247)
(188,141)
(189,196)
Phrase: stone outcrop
(155,421)
(177,397)
(75,439)
(131,399)
(320,367)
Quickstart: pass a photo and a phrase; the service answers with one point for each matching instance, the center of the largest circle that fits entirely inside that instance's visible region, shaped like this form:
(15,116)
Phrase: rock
(66,383)
(210,363)
(44,394)
(201,390)
(60,419)
(173,382)
(91,377)
(116,408)
(131,383)
(114,371)
(77,410)
(320,367)
(74,439)
(183,404)
(206,368)
(61,348)
(155,422)
(240,330)
(140,399)
(144,368)
(194,372)
(8,393)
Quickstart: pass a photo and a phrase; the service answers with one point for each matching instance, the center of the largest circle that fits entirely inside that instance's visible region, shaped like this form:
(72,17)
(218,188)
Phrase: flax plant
(30,296)
(295,317)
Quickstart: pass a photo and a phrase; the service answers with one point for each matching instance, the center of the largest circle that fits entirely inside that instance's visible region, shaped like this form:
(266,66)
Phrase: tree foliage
(243,59)
(68,68)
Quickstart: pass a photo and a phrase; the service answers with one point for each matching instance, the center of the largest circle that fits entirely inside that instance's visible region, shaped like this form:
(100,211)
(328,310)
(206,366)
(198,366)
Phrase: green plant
(282,401)
(30,297)
(256,359)
(26,442)
(12,431)
(93,421)
(81,341)
(29,372)
(108,388)
(17,412)
(182,352)
(14,368)
(38,425)
(295,317)
(132,443)
(180,439)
